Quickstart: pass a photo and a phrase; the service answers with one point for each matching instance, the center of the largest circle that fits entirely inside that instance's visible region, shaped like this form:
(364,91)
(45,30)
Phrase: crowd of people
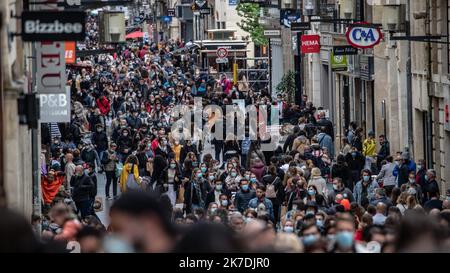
(172,194)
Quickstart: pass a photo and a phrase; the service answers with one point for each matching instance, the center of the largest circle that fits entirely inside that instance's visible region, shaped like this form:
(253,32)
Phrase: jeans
(218,147)
(100,156)
(84,207)
(111,178)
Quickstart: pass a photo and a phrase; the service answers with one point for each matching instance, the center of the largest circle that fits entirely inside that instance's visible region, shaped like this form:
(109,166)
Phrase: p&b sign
(53,26)
(55,107)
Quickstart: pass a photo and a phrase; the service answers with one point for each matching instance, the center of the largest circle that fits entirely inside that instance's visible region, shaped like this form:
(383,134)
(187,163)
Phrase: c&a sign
(363,35)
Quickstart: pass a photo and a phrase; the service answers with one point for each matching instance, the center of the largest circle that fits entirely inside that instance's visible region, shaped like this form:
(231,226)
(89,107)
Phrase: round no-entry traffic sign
(222,52)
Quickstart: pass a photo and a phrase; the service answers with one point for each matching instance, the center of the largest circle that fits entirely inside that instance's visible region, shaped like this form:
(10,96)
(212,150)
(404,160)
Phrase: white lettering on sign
(310,43)
(56,27)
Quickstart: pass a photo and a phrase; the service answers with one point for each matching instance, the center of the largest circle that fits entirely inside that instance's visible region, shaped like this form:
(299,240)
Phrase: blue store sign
(288,16)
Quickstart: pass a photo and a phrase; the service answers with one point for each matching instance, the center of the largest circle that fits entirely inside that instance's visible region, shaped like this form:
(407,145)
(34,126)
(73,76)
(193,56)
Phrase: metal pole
(409,81)
(429,85)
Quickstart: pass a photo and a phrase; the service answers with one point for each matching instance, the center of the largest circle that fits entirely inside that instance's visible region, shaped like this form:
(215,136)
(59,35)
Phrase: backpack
(270,189)
(131,182)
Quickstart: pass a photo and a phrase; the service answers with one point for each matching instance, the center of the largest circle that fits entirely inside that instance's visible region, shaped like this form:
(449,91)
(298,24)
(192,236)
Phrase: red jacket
(103,105)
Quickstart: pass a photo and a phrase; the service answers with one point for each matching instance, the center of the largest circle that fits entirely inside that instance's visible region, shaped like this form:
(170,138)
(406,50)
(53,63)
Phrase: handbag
(119,168)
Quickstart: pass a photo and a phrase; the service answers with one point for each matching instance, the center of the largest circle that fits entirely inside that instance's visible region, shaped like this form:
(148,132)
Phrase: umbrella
(135,35)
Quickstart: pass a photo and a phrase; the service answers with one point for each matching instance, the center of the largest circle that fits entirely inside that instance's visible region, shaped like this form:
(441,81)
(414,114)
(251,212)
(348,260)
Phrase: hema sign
(53,26)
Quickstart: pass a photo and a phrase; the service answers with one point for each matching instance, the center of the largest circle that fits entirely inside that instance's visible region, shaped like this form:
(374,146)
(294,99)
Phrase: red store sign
(310,44)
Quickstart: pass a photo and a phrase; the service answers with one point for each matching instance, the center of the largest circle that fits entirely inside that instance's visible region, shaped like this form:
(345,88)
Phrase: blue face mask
(344,239)
(319,223)
(426,177)
(288,229)
(309,240)
(199,175)
(253,179)
(354,154)
(211,177)
(203,169)
(311,192)
(366,178)
(244,187)
(172,165)
(233,174)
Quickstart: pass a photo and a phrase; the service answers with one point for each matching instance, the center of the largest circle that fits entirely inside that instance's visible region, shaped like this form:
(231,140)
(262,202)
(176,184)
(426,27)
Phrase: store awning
(135,35)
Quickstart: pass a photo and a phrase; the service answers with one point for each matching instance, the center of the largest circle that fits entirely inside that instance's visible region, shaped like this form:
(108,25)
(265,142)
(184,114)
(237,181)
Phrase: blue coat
(267,203)
(357,191)
(326,141)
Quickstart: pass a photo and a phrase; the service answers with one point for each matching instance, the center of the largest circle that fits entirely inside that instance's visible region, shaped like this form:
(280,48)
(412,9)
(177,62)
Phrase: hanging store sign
(205,11)
(310,44)
(51,67)
(339,63)
(289,16)
(300,26)
(344,50)
(55,107)
(171,12)
(272,33)
(53,26)
(363,35)
(70,55)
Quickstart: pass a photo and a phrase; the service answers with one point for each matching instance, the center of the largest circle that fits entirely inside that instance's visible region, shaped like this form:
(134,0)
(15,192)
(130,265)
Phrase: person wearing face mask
(100,140)
(187,148)
(345,236)
(124,144)
(355,161)
(82,188)
(417,188)
(401,170)
(310,236)
(195,191)
(134,121)
(213,196)
(421,171)
(233,178)
(176,148)
(243,196)
(172,180)
(163,148)
(430,185)
(261,199)
(288,227)
(339,188)
(364,190)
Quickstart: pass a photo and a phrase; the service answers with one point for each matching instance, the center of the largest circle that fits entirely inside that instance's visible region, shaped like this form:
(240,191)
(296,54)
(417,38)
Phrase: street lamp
(347,8)
(391,17)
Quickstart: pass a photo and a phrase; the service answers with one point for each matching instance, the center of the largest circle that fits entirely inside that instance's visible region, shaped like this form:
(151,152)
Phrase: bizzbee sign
(53,26)
(363,35)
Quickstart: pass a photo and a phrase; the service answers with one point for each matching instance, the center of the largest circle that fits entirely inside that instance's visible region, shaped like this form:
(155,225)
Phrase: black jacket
(185,150)
(83,188)
(357,163)
(191,196)
(210,197)
(100,140)
(341,171)
(384,151)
